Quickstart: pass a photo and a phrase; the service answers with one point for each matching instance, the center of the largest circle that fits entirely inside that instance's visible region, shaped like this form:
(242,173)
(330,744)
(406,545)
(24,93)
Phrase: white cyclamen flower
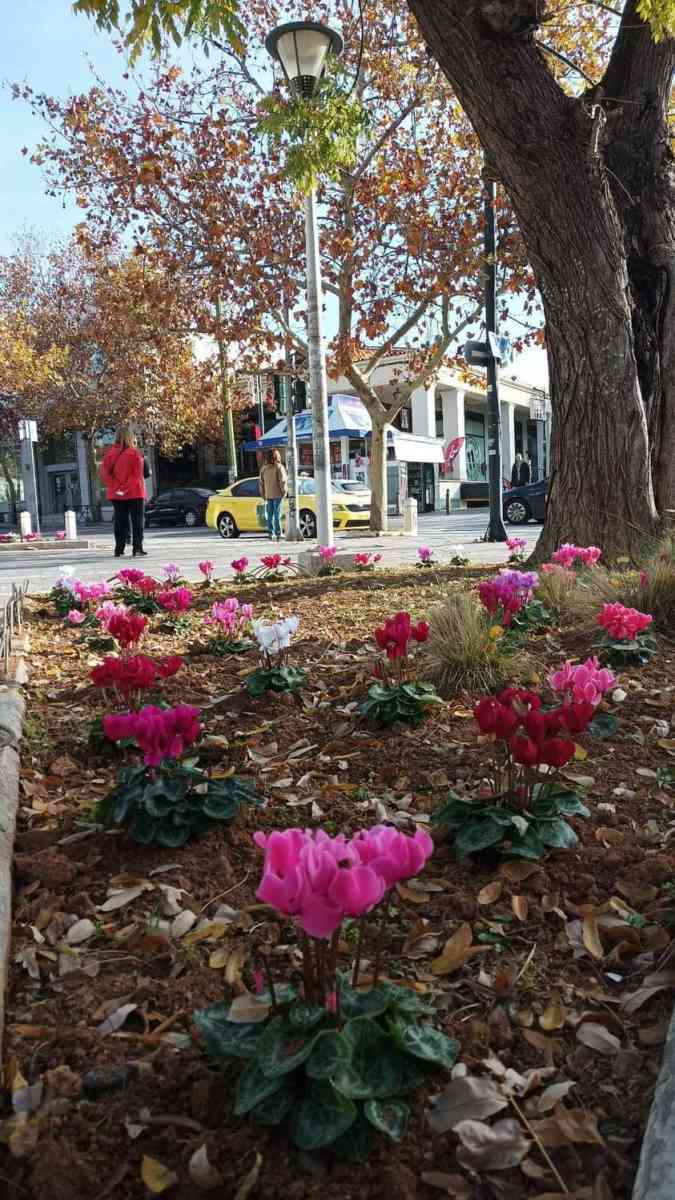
(273,637)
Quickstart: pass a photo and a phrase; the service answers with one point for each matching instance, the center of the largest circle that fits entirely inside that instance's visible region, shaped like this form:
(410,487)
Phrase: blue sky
(46,45)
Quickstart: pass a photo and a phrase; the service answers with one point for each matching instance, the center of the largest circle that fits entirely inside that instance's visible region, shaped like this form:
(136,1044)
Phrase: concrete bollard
(25,523)
(70,525)
(410,517)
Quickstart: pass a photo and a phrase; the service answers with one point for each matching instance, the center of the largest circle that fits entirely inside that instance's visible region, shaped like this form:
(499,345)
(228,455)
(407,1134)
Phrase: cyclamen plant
(164,800)
(425,556)
(175,600)
(625,639)
(275,675)
(585,683)
(573,557)
(207,568)
(138,590)
(125,679)
(507,594)
(275,567)
(232,623)
(458,557)
(327,555)
(516,548)
(240,568)
(366,562)
(523,813)
(336,1060)
(398,697)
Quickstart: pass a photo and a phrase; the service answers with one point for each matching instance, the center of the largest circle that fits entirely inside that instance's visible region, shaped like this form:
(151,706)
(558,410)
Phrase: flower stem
(270,982)
(359,949)
(307,969)
(380,937)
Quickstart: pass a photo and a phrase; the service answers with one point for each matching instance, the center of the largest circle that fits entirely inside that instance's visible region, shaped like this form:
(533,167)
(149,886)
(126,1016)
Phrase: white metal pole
(317,377)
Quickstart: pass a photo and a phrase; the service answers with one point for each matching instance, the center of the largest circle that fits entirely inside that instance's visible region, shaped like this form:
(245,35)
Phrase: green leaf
(330,1052)
(304,1016)
(253,1087)
(557,834)
(422,1041)
(143,828)
(477,834)
(353,1003)
(273,1110)
(283,1047)
(275,679)
(571,806)
(171,836)
(357,1143)
(321,1117)
(226,1039)
(375,1067)
(603,725)
(389,1116)
(404,1000)
(527,845)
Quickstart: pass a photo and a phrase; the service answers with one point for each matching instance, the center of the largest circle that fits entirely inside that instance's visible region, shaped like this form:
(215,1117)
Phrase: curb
(655,1179)
(11,723)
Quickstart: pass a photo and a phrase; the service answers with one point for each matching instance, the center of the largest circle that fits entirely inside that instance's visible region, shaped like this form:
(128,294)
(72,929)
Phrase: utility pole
(228,423)
(292,531)
(318,381)
(495,531)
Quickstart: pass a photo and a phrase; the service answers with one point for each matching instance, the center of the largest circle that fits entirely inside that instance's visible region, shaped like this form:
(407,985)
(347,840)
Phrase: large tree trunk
(610,350)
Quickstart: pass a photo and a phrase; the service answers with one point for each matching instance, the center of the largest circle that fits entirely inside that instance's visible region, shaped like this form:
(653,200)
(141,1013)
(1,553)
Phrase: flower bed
(550,975)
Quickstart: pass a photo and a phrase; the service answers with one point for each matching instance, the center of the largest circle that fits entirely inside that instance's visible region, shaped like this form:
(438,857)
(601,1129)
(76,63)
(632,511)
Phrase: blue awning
(347,417)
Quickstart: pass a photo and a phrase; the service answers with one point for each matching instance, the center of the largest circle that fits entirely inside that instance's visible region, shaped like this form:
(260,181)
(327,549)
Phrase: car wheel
(517,512)
(190,518)
(227,526)
(307,523)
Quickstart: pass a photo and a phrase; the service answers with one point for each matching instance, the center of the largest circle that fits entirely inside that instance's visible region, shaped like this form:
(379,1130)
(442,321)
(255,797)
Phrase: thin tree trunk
(549,149)
(378,478)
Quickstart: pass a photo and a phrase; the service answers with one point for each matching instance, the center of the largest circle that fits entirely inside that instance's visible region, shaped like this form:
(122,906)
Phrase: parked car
(178,506)
(522,504)
(240,509)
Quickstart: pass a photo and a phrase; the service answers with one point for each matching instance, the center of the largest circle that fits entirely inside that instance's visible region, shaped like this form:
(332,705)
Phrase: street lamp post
(495,531)
(302,47)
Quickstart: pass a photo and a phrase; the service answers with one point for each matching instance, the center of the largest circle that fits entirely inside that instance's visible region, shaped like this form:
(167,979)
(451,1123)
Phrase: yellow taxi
(241,509)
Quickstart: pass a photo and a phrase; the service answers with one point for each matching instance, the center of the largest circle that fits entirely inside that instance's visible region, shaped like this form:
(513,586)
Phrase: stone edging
(655,1179)
(11,726)
(45,544)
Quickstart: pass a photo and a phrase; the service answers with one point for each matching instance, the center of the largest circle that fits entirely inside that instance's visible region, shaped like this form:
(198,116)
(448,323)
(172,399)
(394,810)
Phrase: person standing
(525,471)
(122,473)
(515,471)
(273,488)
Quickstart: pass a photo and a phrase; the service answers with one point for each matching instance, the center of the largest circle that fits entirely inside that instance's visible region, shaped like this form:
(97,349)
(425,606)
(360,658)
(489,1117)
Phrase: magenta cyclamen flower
(509,590)
(320,879)
(89,592)
(239,565)
(516,545)
(231,616)
(327,553)
(160,733)
(207,568)
(175,599)
(425,553)
(171,572)
(585,683)
(131,576)
(568,555)
(623,624)
(75,617)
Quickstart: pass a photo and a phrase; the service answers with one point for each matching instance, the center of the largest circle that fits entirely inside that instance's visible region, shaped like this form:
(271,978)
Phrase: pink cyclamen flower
(327,553)
(515,545)
(75,617)
(585,683)
(239,565)
(207,568)
(131,576)
(392,854)
(161,733)
(175,599)
(425,553)
(60,535)
(623,624)
(171,572)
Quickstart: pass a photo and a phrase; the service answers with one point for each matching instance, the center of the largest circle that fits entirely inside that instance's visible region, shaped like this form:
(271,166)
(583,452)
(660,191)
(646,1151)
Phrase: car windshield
(350,486)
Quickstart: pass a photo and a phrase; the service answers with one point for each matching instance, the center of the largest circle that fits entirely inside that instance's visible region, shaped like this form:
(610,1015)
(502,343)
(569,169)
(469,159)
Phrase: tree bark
(606,291)
(378,477)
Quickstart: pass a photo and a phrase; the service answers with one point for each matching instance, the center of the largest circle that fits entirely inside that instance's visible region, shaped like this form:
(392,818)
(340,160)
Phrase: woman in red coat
(122,474)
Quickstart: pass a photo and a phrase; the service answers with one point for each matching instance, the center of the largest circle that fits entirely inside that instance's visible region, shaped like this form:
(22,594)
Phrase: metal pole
(34,485)
(228,423)
(495,531)
(292,532)
(317,378)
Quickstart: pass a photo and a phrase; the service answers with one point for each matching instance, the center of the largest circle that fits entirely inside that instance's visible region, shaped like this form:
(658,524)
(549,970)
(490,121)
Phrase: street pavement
(187,547)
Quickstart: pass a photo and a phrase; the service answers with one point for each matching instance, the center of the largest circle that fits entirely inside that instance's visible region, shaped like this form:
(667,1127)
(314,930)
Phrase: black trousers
(128,511)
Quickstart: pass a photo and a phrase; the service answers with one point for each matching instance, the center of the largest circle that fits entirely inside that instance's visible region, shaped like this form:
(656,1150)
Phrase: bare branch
(567,61)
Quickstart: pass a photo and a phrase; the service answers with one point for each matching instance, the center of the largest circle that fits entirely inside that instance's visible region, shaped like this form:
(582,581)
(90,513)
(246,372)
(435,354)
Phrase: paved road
(187,547)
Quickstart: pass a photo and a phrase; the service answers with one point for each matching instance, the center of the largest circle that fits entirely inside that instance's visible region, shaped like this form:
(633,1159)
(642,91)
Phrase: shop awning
(348,417)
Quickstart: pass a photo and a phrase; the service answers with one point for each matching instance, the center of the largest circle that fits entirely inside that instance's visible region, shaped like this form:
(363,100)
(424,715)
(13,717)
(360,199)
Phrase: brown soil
(315,764)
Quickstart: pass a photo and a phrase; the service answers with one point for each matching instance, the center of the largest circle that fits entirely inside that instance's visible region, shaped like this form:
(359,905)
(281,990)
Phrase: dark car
(522,504)
(178,506)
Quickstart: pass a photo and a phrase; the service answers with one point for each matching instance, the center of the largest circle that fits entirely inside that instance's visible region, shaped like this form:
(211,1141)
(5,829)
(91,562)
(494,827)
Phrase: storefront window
(476,458)
(59,450)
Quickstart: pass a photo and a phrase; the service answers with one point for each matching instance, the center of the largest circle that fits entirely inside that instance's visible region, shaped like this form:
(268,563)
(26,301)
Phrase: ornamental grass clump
(467,652)
(230,622)
(275,674)
(625,640)
(653,591)
(163,799)
(523,813)
(398,695)
(332,1059)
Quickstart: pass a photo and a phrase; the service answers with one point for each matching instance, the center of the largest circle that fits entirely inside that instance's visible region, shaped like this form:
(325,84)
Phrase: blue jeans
(274,517)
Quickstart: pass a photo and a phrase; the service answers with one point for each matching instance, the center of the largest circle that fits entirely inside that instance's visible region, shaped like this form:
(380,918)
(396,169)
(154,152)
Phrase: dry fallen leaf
(591,936)
(491,1147)
(249,1181)
(518,870)
(202,1173)
(248,1010)
(115,1020)
(598,1038)
(609,836)
(520,907)
(235,965)
(654,1035)
(467,1098)
(553,1095)
(455,1186)
(182,923)
(455,952)
(488,895)
(156,1177)
(214,929)
(120,896)
(218,957)
(578,1125)
(554,1015)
